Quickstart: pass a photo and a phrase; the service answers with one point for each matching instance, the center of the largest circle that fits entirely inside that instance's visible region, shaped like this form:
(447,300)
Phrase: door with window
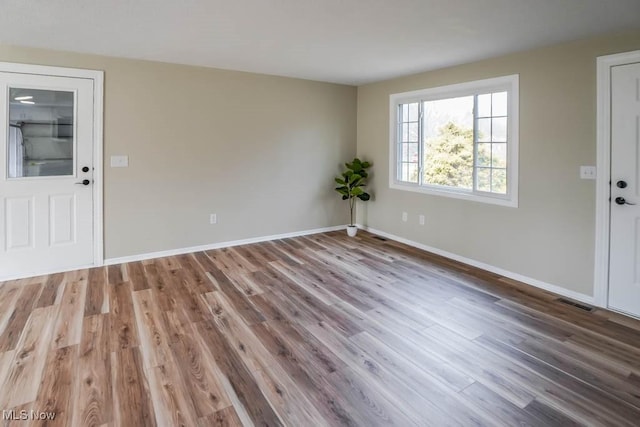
(46,173)
(624,259)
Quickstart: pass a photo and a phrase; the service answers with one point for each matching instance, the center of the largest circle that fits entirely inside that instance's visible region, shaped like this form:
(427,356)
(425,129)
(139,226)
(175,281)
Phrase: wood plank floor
(311,331)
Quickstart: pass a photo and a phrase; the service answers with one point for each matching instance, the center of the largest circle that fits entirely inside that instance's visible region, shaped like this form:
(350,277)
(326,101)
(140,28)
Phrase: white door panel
(46,139)
(63,214)
(624,264)
(19,223)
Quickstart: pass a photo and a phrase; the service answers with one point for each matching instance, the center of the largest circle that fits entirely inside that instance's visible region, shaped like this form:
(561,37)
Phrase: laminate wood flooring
(322,330)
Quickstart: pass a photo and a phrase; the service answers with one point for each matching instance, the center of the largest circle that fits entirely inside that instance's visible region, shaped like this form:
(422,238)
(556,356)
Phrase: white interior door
(46,173)
(624,259)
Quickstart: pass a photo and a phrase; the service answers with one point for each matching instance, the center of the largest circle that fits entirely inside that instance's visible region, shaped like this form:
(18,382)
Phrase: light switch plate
(119,161)
(587,172)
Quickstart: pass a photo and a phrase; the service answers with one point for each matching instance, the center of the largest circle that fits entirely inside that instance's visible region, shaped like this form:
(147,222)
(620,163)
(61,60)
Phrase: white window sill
(511,202)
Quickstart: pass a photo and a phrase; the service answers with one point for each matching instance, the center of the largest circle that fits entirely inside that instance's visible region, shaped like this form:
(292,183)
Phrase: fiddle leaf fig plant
(351,183)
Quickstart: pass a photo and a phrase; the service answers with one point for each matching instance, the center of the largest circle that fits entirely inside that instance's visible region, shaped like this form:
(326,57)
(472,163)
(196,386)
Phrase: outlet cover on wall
(421,219)
(404,216)
(119,161)
(587,172)
(213,219)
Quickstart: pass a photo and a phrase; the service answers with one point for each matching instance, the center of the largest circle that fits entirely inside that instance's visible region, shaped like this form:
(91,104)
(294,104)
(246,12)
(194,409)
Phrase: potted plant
(351,187)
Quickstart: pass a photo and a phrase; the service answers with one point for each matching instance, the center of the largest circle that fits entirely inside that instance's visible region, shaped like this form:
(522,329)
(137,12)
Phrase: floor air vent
(575,304)
(380,238)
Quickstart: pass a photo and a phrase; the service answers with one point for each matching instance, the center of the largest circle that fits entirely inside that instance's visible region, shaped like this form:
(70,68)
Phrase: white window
(459,141)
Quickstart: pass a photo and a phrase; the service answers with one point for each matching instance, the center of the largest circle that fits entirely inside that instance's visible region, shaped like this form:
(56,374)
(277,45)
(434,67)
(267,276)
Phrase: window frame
(510,84)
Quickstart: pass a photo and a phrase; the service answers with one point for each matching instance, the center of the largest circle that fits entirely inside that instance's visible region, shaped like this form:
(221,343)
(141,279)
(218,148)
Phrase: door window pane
(41,133)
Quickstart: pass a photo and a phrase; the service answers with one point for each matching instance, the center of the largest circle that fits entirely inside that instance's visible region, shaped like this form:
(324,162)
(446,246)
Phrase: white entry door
(46,173)
(624,259)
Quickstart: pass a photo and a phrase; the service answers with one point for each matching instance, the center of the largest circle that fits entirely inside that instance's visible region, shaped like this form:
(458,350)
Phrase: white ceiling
(344,41)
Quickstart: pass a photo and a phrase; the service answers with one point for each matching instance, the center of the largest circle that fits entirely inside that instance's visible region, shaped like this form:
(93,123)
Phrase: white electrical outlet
(587,172)
(213,219)
(119,161)
(421,219)
(404,216)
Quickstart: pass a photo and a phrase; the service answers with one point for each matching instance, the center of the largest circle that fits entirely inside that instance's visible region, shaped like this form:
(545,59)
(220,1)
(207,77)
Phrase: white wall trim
(98,128)
(603,178)
(515,276)
(180,251)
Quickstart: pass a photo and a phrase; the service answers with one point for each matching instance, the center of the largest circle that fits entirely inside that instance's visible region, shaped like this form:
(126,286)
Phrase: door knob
(87,182)
(621,184)
(622,201)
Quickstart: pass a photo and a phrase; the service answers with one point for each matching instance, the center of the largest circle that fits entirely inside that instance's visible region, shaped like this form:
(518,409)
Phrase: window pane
(448,142)
(413,153)
(484,105)
(409,153)
(413,132)
(483,132)
(405,132)
(405,113)
(499,155)
(484,155)
(499,181)
(499,130)
(499,104)
(413,172)
(413,112)
(404,175)
(483,179)
(41,129)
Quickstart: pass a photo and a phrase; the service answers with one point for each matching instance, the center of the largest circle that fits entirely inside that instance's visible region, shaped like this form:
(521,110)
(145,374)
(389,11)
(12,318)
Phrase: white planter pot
(352,230)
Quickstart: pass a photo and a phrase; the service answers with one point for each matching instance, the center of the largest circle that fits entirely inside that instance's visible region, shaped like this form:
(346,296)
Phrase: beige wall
(260,151)
(550,237)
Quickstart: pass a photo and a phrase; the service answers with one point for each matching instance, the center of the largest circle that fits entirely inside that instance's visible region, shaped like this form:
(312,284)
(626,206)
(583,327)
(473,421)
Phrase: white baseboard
(515,276)
(180,251)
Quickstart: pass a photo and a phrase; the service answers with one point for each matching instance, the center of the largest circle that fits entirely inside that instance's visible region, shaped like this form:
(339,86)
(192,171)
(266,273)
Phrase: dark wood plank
(238,376)
(20,312)
(132,401)
(124,333)
(137,276)
(114,274)
(95,291)
(50,290)
(548,416)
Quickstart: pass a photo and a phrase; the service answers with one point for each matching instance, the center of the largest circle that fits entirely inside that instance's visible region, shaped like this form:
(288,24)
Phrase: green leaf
(354,177)
(357,191)
(345,197)
(340,181)
(356,184)
(366,165)
(342,190)
(348,173)
(364,197)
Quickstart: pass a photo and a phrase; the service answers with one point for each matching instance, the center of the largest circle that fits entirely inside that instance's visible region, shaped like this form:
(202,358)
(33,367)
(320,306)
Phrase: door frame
(97,77)
(603,177)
